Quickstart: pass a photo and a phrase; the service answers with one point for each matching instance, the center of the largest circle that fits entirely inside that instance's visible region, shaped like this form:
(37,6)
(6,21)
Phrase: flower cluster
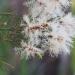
(50,27)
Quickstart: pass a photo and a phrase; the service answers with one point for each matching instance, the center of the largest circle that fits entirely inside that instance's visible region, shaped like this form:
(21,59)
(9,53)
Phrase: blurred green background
(73,49)
(9,26)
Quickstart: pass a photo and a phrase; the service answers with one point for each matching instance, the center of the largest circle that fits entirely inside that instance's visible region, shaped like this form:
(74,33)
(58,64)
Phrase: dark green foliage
(10,35)
(15,31)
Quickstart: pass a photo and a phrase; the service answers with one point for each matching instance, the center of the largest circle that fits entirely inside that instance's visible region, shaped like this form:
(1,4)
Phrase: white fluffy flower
(68,22)
(29,50)
(49,27)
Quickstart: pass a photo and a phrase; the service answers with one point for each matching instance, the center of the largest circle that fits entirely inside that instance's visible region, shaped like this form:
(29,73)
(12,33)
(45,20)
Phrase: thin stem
(7,64)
